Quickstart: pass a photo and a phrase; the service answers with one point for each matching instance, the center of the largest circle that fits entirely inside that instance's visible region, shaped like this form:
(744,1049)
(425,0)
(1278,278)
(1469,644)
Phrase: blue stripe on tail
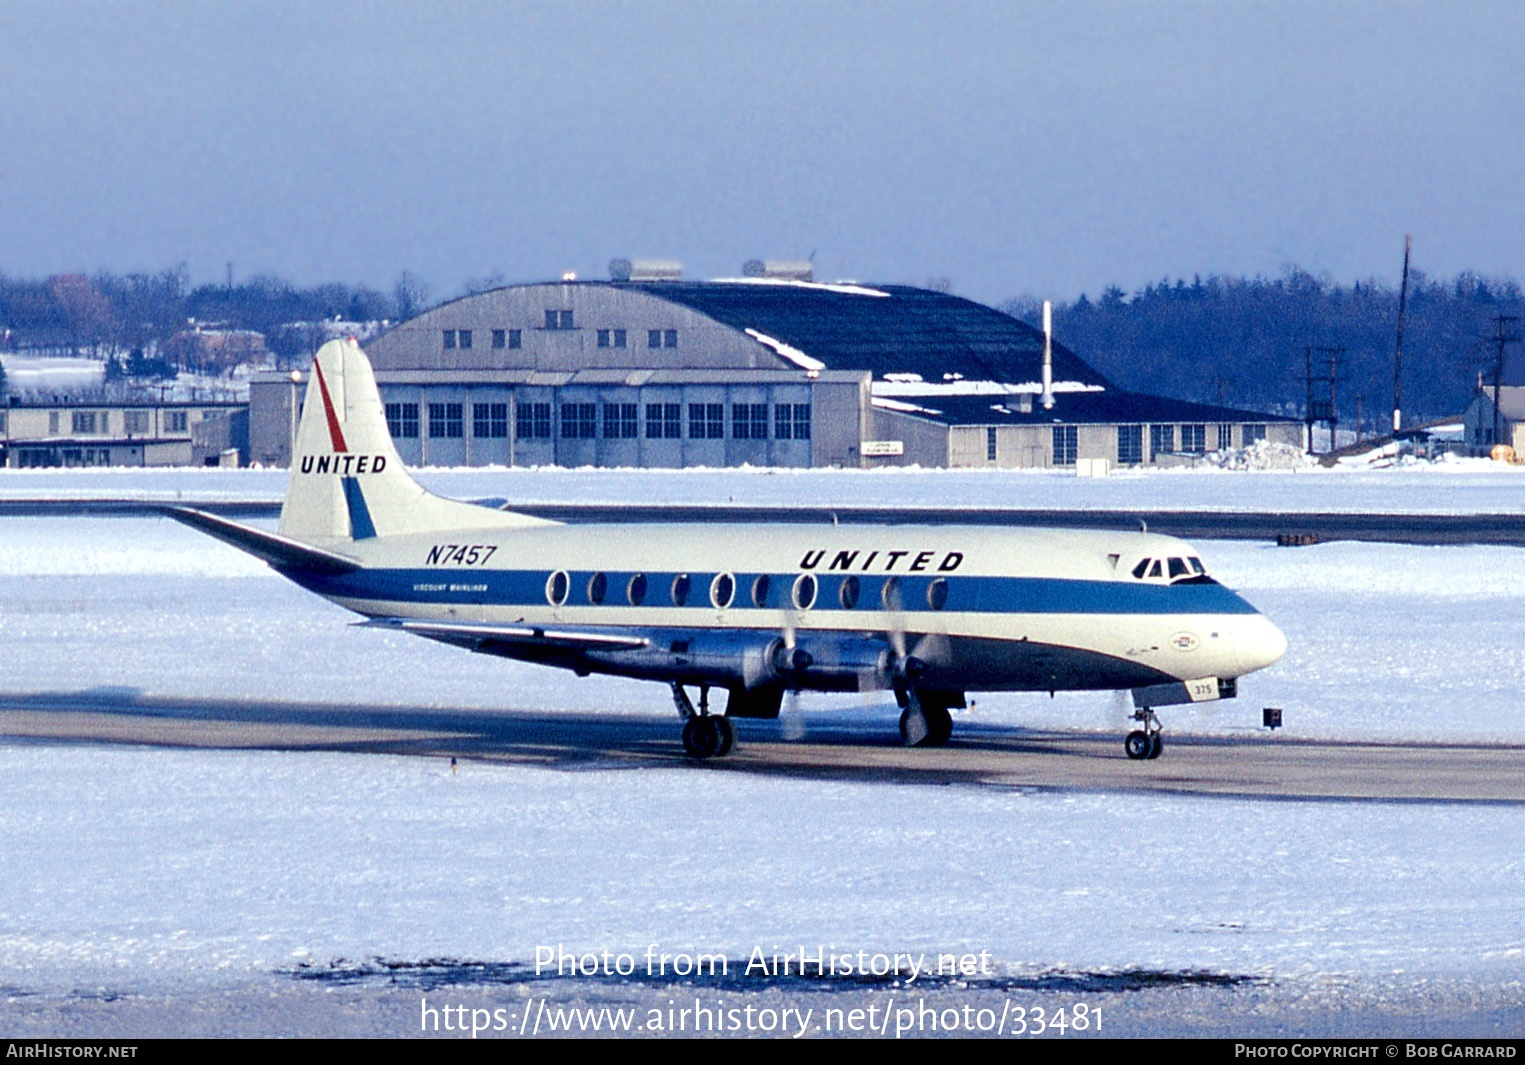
(360,526)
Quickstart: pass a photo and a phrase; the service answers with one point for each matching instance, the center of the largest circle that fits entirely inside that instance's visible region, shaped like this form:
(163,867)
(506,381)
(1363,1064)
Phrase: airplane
(930,612)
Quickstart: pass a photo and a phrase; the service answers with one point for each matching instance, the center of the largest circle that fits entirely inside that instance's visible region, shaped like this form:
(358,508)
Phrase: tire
(910,739)
(1138,745)
(726,733)
(1156,745)
(701,739)
(939,726)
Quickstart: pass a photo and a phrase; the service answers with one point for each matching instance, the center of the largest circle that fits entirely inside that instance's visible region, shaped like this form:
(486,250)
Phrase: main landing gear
(1146,742)
(705,735)
(925,721)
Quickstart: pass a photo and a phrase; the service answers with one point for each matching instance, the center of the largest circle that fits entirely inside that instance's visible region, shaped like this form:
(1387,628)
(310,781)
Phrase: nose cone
(1259,644)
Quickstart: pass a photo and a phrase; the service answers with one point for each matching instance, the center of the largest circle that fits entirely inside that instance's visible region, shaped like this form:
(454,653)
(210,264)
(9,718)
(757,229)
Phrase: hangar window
(669,338)
(598,585)
(1225,436)
(84,421)
(489,420)
(762,590)
(1194,439)
(1065,445)
(635,591)
(559,320)
(722,590)
(990,444)
(661,338)
(1130,445)
(653,338)
(579,421)
(680,589)
(791,421)
(620,421)
(446,421)
(135,422)
(1252,433)
(174,421)
(706,421)
(937,593)
(532,421)
(847,594)
(556,587)
(1162,438)
(664,421)
(611,338)
(449,339)
(465,337)
(804,591)
(749,421)
(402,420)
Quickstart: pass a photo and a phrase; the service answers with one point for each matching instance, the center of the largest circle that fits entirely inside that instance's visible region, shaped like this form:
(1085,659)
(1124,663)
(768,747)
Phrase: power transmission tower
(1503,336)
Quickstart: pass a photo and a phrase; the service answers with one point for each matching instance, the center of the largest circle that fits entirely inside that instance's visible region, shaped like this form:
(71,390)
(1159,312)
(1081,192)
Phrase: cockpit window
(1154,570)
(1141,569)
(1177,568)
(1196,565)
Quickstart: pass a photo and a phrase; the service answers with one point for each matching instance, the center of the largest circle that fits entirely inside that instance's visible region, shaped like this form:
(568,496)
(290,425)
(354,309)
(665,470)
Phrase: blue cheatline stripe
(360,526)
(988,595)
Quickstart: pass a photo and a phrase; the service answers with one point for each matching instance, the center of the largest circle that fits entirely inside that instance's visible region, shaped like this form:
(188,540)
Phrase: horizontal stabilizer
(278,551)
(463,632)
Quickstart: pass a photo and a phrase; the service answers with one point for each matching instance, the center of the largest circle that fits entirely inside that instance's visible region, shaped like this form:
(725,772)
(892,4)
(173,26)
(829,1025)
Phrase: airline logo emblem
(341,462)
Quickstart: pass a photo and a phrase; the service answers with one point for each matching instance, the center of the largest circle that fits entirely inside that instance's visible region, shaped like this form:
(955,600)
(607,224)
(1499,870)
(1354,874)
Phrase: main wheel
(1156,745)
(939,726)
(727,736)
(701,739)
(913,728)
(1138,745)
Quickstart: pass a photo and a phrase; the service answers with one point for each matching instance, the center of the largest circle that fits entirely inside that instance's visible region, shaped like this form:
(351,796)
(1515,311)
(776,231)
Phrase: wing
(465,634)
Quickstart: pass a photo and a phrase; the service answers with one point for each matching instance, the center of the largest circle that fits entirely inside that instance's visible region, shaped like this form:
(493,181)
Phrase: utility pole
(1403,299)
(1308,399)
(1503,336)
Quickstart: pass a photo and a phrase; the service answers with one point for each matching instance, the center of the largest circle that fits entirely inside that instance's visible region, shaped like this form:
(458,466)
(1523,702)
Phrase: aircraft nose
(1260,644)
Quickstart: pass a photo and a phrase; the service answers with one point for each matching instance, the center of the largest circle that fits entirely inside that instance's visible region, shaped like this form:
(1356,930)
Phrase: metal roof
(1073,408)
(885,329)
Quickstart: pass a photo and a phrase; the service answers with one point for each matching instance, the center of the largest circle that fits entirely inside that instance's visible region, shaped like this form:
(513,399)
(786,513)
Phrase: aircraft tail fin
(347,481)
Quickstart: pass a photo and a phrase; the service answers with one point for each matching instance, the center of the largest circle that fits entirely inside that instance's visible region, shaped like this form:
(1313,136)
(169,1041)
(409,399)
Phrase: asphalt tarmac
(1256,765)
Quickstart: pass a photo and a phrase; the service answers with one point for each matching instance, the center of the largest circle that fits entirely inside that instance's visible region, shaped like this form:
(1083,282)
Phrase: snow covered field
(172,871)
(1464,486)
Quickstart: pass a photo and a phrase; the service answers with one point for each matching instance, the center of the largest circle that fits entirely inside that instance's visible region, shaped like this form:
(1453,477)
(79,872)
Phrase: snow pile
(1261,455)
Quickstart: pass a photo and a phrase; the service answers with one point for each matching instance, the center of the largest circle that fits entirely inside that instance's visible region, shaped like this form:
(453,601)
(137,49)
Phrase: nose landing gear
(1144,743)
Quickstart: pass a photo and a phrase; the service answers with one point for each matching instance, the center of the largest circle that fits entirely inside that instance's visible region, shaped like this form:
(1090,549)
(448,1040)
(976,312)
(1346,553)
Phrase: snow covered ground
(174,871)
(1460,486)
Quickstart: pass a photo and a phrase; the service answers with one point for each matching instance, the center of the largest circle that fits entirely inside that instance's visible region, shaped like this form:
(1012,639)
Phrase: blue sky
(1041,149)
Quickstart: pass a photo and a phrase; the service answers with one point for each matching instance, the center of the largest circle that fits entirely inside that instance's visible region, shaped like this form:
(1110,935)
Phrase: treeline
(110,315)
(1243,341)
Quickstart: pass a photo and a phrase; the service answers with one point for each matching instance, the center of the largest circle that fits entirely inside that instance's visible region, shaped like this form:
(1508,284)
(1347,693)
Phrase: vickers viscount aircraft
(928,612)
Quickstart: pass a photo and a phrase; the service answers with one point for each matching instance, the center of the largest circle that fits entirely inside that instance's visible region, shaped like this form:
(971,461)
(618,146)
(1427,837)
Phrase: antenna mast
(1403,299)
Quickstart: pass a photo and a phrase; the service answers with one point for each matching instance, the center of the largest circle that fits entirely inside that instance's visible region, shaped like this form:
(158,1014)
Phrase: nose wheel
(1147,742)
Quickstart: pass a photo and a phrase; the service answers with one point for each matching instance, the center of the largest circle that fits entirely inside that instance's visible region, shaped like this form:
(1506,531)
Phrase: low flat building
(650,371)
(69,433)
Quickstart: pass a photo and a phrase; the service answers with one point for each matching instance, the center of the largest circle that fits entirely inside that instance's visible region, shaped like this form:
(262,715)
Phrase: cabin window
(722,590)
(1141,569)
(635,591)
(598,584)
(937,593)
(762,588)
(847,594)
(680,588)
(804,591)
(556,587)
(889,594)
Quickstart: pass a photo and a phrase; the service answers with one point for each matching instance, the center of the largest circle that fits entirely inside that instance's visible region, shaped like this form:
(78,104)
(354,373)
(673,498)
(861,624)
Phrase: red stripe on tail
(335,433)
